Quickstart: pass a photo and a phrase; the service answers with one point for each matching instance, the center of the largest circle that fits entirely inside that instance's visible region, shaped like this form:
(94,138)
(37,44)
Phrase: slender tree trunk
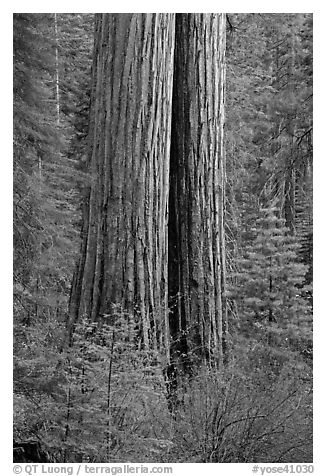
(198,318)
(289,199)
(290,176)
(57,88)
(124,250)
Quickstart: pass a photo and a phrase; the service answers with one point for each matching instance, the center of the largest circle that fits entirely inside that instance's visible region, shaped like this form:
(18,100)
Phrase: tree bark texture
(125,241)
(198,315)
(140,244)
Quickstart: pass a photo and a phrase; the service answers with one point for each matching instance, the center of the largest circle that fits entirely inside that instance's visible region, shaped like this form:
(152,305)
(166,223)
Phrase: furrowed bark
(124,249)
(198,318)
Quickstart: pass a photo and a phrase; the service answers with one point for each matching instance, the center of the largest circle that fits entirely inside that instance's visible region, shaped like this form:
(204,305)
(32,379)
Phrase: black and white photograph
(162,241)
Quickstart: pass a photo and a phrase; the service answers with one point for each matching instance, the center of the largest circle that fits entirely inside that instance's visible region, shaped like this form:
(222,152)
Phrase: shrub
(227,417)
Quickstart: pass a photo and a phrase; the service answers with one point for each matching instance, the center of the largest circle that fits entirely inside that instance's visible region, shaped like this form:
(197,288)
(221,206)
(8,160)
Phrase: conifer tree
(270,285)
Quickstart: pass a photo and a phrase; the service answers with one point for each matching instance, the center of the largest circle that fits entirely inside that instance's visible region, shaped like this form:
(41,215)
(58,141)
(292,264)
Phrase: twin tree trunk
(153,231)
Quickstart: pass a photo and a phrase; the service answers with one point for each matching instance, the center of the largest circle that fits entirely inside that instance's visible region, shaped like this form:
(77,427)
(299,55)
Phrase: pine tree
(45,216)
(270,291)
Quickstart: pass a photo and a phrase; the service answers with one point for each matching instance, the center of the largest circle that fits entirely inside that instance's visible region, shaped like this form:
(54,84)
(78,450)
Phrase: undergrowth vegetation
(104,399)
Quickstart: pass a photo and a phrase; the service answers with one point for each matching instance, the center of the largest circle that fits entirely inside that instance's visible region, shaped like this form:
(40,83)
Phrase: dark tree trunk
(198,317)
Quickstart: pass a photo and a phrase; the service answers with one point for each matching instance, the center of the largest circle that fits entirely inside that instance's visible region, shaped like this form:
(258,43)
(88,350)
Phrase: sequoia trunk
(124,249)
(198,319)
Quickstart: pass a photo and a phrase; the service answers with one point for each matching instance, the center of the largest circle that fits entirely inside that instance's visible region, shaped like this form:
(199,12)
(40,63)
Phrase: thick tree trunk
(124,249)
(198,317)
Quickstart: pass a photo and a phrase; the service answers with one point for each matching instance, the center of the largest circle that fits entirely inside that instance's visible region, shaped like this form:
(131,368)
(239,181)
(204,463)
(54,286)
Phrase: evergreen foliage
(270,289)
(269,164)
(269,111)
(96,400)
(46,198)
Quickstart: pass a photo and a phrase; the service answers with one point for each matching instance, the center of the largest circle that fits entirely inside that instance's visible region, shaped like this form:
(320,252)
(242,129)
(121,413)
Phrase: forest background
(68,265)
